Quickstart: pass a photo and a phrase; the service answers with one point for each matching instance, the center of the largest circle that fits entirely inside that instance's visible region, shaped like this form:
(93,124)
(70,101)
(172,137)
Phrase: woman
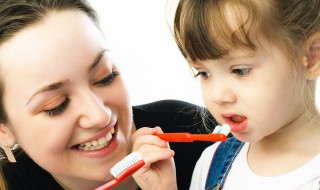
(74,120)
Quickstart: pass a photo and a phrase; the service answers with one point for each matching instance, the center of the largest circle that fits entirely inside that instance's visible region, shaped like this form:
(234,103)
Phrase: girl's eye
(59,109)
(107,80)
(203,74)
(241,71)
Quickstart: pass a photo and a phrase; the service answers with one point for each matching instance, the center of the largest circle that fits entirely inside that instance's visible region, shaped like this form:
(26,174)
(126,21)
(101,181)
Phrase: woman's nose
(94,113)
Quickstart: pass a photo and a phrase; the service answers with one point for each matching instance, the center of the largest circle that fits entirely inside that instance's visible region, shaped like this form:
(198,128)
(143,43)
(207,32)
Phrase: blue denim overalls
(221,163)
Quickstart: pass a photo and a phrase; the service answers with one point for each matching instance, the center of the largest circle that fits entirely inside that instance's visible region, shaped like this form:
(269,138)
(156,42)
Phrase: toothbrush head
(222,129)
(126,163)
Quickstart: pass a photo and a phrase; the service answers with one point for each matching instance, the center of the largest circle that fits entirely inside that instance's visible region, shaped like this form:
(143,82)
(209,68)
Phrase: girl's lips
(237,123)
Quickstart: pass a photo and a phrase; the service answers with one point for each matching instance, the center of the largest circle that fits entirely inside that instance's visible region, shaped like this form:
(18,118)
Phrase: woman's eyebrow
(97,59)
(57,85)
(50,87)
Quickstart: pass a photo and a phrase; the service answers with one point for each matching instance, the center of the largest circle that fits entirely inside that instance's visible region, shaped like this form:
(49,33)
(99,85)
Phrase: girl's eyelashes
(107,80)
(202,74)
(241,72)
(59,109)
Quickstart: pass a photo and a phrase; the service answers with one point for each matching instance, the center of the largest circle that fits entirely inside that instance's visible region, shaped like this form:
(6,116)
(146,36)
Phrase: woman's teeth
(97,144)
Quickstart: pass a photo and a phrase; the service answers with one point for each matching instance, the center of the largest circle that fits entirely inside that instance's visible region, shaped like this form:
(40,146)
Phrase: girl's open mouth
(237,123)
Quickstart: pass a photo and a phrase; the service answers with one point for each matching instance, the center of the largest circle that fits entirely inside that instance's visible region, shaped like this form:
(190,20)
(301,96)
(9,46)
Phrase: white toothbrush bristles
(128,161)
(222,129)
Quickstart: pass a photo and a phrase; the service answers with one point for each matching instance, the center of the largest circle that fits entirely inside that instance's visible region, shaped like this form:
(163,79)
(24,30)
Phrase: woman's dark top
(170,115)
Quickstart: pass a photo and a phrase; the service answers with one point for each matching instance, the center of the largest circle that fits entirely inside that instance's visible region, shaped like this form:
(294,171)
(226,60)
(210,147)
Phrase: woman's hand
(159,171)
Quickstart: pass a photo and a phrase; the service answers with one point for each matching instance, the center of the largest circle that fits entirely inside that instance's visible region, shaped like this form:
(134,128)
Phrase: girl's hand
(159,170)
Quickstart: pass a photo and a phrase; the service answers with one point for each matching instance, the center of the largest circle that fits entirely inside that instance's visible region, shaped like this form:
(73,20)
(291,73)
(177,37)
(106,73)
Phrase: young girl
(257,62)
(63,100)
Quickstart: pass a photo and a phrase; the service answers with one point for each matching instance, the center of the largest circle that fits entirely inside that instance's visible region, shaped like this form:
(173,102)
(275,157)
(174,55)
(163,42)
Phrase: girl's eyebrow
(60,84)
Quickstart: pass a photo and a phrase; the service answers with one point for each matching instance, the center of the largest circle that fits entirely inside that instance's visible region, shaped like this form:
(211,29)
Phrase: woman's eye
(107,80)
(203,74)
(59,109)
(241,71)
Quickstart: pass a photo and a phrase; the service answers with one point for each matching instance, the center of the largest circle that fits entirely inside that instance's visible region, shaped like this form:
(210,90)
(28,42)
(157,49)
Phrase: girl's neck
(294,145)
(301,130)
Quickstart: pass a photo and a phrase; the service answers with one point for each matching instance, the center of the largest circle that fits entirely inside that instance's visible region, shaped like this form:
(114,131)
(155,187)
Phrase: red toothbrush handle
(214,137)
(130,170)
(188,137)
(122,176)
(175,137)
(108,185)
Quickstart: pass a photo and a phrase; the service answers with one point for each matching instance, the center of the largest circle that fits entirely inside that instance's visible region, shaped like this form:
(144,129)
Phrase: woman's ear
(311,59)
(6,137)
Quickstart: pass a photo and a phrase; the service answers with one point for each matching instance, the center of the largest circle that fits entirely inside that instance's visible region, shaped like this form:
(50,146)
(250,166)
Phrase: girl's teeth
(97,144)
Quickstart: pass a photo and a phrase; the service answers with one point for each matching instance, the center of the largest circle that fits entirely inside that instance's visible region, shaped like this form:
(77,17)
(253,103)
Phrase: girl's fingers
(145,136)
(157,153)
(155,156)
(143,131)
(149,139)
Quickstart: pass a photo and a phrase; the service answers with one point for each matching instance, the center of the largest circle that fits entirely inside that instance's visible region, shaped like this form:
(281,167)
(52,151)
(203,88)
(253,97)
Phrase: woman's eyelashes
(63,105)
(58,109)
(107,80)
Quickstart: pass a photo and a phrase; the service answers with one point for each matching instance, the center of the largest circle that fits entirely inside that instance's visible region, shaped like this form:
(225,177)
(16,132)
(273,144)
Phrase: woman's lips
(100,153)
(237,123)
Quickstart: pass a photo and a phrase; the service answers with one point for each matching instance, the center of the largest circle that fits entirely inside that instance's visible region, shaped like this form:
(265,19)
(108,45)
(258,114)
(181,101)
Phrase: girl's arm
(159,171)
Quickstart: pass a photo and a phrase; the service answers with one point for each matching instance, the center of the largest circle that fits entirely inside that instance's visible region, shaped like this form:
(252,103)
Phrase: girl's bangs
(206,32)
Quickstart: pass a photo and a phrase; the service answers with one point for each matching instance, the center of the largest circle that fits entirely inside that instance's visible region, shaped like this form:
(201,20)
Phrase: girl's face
(67,105)
(252,91)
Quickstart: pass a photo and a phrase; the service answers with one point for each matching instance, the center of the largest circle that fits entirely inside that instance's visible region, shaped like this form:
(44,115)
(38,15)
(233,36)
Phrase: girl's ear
(6,137)
(311,59)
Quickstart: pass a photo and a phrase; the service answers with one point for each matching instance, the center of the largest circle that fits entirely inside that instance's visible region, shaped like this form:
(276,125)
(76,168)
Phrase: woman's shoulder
(174,116)
(26,174)
(169,105)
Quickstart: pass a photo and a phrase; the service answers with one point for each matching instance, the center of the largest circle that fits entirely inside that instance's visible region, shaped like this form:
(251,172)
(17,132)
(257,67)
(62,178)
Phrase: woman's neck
(128,184)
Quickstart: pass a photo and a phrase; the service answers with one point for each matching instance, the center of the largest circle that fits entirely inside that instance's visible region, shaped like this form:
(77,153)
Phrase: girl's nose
(94,113)
(221,93)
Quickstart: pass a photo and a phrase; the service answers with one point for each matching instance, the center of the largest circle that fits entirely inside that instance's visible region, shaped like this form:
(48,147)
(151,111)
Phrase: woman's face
(64,97)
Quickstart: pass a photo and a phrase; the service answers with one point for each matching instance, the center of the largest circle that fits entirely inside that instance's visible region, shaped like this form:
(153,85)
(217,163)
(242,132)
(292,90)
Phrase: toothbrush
(220,133)
(123,169)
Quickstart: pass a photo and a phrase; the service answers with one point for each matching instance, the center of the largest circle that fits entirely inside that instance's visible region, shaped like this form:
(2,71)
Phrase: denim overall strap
(221,163)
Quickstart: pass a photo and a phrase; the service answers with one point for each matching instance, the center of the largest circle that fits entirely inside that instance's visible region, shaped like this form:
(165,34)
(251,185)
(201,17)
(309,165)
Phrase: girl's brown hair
(286,23)
(202,31)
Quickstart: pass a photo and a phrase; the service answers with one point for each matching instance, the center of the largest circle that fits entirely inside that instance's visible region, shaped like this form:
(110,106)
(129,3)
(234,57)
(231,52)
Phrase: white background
(139,34)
